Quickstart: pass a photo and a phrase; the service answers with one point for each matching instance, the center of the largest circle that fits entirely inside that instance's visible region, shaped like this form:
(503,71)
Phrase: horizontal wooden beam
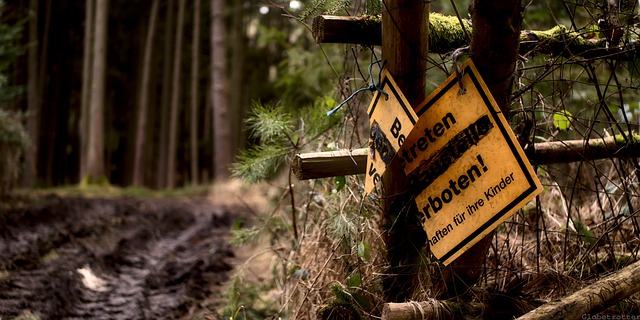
(329,164)
(348,162)
(447,34)
(341,29)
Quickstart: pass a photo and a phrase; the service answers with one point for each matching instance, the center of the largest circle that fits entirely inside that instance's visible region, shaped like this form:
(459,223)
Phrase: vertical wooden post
(405,26)
(494,46)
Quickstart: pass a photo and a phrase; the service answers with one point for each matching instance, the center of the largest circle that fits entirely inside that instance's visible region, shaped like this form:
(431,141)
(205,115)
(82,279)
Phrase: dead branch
(594,298)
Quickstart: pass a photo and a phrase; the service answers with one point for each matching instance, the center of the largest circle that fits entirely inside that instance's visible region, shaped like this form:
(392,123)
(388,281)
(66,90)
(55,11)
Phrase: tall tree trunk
(87,65)
(207,132)
(163,136)
(195,55)
(33,110)
(141,127)
(494,48)
(175,100)
(236,96)
(95,158)
(221,122)
(43,167)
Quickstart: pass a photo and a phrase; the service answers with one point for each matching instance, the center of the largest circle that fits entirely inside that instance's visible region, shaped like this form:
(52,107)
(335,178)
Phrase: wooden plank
(446,35)
(348,162)
(317,165)
(364,30)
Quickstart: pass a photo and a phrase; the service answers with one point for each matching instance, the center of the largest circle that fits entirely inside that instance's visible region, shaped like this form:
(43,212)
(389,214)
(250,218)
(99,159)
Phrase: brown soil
(122,258)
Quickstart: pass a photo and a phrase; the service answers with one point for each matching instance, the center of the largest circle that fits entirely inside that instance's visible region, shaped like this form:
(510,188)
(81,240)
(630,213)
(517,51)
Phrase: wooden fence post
(405,26)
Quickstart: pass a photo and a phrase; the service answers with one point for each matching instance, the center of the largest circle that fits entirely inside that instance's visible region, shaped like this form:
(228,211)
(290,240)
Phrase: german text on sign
(465,165)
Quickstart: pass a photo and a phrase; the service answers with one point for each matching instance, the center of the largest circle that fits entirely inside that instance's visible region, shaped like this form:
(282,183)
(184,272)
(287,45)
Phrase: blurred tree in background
(14,139)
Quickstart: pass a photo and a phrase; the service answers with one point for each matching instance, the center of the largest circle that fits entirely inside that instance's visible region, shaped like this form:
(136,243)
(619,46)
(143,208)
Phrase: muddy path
(124,258)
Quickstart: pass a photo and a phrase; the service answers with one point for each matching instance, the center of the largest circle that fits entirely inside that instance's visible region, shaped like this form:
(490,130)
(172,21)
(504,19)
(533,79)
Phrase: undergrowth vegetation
(326,239)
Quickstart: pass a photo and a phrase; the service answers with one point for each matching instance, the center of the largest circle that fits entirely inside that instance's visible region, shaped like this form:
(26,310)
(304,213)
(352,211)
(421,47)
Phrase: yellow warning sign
(465,164)
(391,118)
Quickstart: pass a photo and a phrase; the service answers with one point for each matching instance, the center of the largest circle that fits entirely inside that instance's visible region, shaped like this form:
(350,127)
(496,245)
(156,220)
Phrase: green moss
(446,32)
(559,34)
(621,139)
(370,19)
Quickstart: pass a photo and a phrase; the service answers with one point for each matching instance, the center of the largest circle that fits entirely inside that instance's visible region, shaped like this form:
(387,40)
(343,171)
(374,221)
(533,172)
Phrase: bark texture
(143,104)
(404,48)
(95,157)
(87,64)
(195,62)
(221,118)
(175,100)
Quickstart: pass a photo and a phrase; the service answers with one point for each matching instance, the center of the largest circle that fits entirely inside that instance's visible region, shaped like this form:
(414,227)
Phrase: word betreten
(430,135)
(436,203)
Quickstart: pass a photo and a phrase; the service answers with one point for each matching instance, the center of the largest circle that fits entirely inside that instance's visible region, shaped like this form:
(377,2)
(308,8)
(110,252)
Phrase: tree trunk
(404,47)
(33,110)
(95,157)
(494,49)
(141,127)
(47,144)
(236,101)
(195,55)
(496,24)
(175,100)
(163,135)
(221,121)
(87,65)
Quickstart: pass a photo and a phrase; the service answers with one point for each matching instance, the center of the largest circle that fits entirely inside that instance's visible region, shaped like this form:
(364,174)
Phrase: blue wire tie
(372,87)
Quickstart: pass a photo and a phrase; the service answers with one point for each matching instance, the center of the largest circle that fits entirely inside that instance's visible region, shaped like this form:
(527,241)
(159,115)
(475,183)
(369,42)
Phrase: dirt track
(76,258)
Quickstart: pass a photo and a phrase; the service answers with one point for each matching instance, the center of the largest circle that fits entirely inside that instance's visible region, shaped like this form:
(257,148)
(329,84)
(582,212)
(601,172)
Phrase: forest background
(144,69)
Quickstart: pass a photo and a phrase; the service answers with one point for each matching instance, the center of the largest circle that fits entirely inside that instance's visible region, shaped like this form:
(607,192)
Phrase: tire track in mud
(74,258)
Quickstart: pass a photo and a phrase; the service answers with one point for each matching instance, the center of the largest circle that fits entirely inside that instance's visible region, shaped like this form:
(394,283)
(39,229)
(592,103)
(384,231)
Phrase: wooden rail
(446,34)
(348,162)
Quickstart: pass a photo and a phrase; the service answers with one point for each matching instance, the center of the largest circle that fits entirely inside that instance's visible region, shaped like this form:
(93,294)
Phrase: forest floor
(78,257)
